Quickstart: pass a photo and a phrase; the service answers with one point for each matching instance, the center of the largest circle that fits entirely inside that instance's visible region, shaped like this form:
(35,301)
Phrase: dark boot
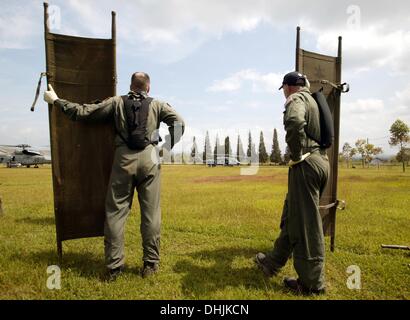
(113,274)
(298,288)
(149,269)
(263,264)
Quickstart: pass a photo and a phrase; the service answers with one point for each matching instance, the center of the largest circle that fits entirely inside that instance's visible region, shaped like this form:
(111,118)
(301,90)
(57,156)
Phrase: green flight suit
(131,169)
(301,224)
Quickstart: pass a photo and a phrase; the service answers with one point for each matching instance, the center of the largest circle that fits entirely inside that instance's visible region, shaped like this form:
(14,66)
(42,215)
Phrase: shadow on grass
(38,221)
(84,264)
(213,270)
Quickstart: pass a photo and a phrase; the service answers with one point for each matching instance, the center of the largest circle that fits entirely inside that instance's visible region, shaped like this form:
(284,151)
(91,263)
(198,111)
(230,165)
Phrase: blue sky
(218,63)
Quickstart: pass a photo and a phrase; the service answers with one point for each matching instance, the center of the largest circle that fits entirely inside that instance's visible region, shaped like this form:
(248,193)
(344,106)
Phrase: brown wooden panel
(80,70)
(319,67)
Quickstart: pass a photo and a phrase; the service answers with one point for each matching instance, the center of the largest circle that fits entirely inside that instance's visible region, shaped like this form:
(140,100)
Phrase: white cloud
(17,26)
(19,131)
(166,30)
(259,82)
(401,103)
(369,48)
(371,118)
(363,106)
(403,96)
(170,30)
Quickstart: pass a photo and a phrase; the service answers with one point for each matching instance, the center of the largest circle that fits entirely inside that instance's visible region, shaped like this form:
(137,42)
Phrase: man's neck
(139,92)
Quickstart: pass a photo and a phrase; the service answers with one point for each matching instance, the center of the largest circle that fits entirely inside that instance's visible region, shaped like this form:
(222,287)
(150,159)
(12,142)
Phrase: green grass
(213,223)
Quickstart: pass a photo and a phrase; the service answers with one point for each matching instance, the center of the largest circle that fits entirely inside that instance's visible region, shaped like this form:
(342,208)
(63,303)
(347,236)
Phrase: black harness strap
(130,106)
(43,74)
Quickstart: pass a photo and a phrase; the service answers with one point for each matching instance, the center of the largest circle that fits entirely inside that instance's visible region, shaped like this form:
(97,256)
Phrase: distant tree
(263,155)
(216,148)
(286,156)
(194,151)
(240,154)
(254,155)
(228,150)
(207,155)
(361,149)
(403,156)
(348,153)
(372,151)
(249,151)
(353,152)
(172,157)
(400,136)
(367,151)
(341,158)
(378,161)
(275,156)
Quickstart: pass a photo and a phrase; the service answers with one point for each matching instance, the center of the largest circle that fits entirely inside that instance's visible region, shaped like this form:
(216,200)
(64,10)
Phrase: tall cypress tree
(249,151)
(263,155)
(207,149)
(275,156)
(194,150)
(216,148)
(228,150)
(254,155)
(240,155)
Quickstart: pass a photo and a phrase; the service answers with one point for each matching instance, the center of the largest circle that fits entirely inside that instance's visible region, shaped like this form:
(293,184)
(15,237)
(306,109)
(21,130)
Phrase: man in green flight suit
(301,224)
(131,169)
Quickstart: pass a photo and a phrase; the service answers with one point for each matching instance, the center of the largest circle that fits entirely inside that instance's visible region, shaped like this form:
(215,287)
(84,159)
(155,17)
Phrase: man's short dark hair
(140,81)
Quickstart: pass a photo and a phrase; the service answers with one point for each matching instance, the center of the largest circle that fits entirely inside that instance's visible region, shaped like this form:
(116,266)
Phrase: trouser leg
(282,248)
(149,189)
(305,225)
(117,206)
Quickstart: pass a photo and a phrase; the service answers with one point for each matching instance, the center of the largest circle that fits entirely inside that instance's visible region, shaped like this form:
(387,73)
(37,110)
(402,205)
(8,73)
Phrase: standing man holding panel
(301,223)
(136,118)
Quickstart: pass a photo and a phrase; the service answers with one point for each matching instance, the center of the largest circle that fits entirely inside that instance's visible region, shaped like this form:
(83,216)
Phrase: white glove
(50,96)
(292,163)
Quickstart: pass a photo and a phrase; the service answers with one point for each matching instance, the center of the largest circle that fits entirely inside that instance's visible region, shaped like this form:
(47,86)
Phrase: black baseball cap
(293,78)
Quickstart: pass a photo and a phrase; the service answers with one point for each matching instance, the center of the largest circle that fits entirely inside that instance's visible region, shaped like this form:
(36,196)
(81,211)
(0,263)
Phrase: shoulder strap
(305,96)
(125,100)
(143,115)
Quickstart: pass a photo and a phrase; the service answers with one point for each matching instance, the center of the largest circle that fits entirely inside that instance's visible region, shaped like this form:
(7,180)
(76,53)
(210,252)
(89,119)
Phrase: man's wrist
(57,102)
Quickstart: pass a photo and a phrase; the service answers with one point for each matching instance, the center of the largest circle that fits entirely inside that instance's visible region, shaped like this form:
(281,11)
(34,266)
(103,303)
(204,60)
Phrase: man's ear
(148,88)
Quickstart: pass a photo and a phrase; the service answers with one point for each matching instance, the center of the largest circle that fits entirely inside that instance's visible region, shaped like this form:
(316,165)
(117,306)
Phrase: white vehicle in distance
(222,161)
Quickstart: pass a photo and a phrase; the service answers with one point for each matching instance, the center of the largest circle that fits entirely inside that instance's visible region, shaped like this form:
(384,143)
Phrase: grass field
(213,223)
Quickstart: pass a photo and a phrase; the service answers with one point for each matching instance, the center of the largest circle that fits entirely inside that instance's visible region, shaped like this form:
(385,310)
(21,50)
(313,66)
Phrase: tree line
(225,150)
(399,136)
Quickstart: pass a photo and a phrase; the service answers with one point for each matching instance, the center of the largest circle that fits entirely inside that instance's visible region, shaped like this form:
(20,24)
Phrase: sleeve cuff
(59,103)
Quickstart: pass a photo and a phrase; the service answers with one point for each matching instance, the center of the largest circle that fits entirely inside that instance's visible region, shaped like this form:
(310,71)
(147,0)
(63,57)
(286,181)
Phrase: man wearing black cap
(134,168)
(301,224)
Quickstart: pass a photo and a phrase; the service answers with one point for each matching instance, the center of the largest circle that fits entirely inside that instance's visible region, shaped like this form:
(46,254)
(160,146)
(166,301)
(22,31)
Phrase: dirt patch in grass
(354,178)
(238,178)
(367,179)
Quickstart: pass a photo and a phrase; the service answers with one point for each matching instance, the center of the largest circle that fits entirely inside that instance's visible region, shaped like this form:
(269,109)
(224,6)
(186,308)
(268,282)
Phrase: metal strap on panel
(343,87)
(340,204)
(43,74)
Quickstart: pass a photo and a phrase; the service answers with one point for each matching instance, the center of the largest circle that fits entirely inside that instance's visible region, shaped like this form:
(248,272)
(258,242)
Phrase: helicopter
(23,155)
